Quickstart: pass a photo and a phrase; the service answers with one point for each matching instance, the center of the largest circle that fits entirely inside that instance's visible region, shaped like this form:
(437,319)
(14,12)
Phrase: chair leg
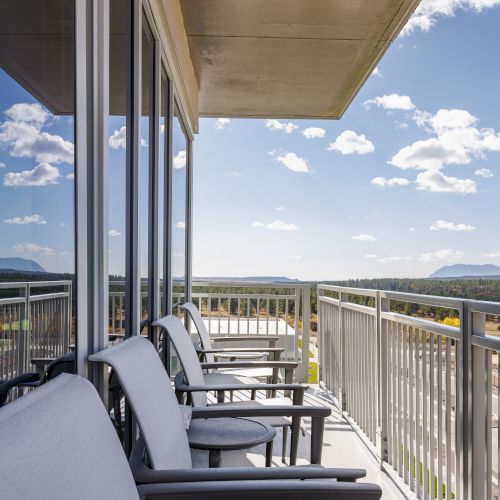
(283,448)
(269,453)
(294,441)
(220,396)
(252,394)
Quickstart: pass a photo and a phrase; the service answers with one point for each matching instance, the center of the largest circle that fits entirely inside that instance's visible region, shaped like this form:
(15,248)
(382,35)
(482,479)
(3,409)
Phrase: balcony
(415,401)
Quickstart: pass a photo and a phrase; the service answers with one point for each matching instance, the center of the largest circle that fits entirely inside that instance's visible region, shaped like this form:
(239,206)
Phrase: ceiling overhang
(287,58)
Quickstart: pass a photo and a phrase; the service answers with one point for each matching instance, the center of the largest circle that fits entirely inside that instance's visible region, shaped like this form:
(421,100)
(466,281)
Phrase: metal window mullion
(154,189)
(189,221)
(167,199)
(133,83)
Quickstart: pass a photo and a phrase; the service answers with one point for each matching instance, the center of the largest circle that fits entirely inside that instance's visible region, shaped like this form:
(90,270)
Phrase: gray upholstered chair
(58,443)
(210,352)
(196,384)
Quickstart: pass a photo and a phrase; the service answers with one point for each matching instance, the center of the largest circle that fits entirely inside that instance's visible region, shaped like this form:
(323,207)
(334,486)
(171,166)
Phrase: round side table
(217,434)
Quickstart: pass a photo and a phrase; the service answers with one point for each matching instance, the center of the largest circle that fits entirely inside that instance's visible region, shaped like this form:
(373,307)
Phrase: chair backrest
(195,315)
(58,442)
(148,390)
(64,364)
(186,352)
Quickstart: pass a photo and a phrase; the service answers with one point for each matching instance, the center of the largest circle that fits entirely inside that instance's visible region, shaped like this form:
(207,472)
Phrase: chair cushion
(57,442)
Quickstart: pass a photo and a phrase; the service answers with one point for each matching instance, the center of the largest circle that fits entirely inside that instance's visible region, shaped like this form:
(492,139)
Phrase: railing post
(475,419)
(319,334)
(382,305)
(24,334)
(343,376)
(306,323)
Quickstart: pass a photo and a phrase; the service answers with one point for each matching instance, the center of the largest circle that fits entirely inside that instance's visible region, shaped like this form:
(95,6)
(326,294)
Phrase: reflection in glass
(37,123)
(117,166)
(179,179)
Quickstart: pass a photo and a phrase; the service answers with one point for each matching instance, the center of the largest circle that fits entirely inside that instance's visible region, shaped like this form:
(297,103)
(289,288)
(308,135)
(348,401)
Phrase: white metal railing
(241,308)
(35,321)
(425,395)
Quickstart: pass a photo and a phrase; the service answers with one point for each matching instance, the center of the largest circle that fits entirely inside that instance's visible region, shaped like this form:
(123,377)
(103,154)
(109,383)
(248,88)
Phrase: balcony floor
(342,448)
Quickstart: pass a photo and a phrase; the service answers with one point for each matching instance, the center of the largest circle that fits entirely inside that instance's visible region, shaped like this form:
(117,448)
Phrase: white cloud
(444,254)
(376,72)
(411,229)
(295,257)
(388,260)
(33,248)
(436,182)
(313,132)
(280,209)
(30,113)
(180,225)
(363,237)
(429,11)
(2,164)
(348,142)
(288,128)
(220,123)
(113,233)
(277,225)
(234,173)
(180,160)
(27,219)
(437,225)
(70,176)
(42,175)
(392,101)
(457,140)
(394,181)
(371,256)
(294,163)
(118,139)
(491,254)
(22,133)
(483,172)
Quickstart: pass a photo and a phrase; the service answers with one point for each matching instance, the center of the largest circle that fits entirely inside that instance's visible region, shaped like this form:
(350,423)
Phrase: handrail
(425,395)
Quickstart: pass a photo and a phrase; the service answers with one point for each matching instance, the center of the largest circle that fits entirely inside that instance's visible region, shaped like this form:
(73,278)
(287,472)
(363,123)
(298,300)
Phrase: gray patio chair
(210,353)
(192,381)
(58,443)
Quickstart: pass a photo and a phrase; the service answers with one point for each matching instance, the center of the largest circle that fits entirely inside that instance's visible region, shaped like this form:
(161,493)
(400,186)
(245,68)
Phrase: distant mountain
(19,264)
(466,270)
(254,279)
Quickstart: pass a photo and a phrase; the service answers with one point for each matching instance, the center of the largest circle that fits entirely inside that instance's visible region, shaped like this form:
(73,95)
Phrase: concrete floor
(342,448)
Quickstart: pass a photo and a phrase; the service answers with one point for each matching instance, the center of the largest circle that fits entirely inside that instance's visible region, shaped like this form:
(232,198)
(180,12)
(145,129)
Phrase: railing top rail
(366,292)
(487,342)
(329,300)
(486,307)
(236,284)
(36,284)
(47,296)
(429,326)
(427,300)
(225,295)
(12,300)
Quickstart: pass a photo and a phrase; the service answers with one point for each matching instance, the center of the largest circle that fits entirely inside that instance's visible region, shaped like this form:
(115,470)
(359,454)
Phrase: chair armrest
(143,474)
(250,364)
(291,489)
(242,337)
(241,349)
(183,387)
(226,410)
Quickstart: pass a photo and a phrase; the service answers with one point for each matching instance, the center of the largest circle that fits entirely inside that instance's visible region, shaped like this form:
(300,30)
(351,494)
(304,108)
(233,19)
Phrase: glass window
(117,166)
(179,182)
(145,160)
(161,187)
(37,188)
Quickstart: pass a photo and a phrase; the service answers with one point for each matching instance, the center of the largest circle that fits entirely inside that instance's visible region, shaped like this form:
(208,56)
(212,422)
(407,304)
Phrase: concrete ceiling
(287,58)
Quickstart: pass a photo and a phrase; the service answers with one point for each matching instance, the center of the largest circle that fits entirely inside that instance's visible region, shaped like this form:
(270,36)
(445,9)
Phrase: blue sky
(405,182)
(366,207)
